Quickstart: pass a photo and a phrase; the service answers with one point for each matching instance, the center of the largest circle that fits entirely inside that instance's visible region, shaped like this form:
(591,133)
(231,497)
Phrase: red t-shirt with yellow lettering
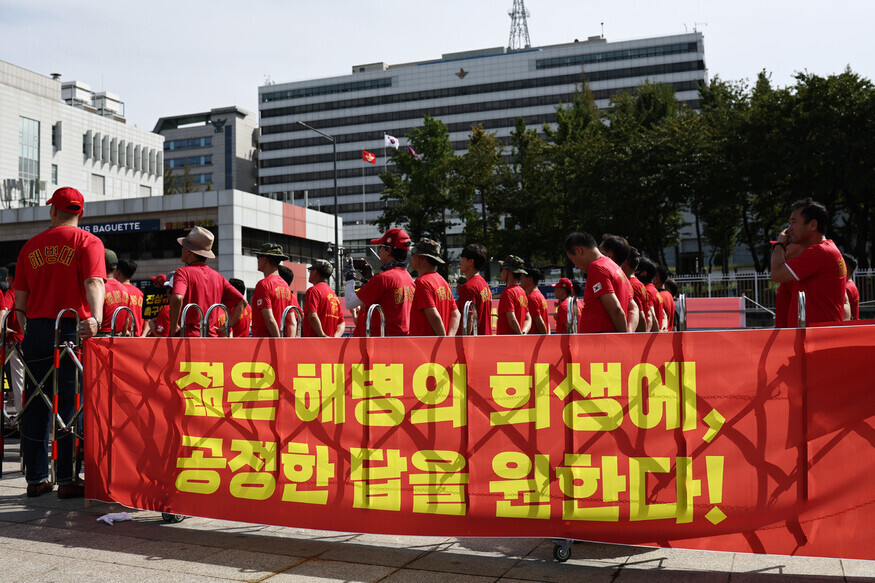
(271,293)
(393,290)
(656,302)
(52,268)
(431,290)
(321,300)
(513,299)
(241,328)
(538,307)
(117,296)
(202,285)
(562,314)
(135,301)
(476,290)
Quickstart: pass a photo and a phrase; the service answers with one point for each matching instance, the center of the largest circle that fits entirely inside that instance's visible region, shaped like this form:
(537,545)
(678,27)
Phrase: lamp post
(336,253)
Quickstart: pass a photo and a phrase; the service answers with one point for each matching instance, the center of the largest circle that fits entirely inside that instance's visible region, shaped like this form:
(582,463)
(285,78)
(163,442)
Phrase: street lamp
(336,240)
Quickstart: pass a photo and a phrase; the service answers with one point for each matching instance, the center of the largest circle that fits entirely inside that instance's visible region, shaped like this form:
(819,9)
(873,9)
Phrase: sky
(168,58)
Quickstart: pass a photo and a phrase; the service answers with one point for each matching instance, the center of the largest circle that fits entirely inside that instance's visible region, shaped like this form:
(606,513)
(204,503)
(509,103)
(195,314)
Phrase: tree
(416,193)
(481,177)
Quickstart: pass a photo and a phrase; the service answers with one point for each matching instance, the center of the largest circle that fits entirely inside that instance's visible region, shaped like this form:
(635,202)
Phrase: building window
(28,160)
(187,144)
(56,136)
(229,157)
(192,161)
(54,173)
(98,184)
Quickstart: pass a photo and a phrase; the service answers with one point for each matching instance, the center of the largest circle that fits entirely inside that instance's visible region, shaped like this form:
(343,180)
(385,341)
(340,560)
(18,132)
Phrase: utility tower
(519,28)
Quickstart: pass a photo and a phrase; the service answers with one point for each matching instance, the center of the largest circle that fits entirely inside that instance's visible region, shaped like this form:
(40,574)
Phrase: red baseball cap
(564,283)
(397,238)
(159,280)
(69,200)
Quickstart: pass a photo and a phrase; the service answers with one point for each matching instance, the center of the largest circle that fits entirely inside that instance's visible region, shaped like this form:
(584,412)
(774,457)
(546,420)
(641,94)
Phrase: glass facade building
(490,87)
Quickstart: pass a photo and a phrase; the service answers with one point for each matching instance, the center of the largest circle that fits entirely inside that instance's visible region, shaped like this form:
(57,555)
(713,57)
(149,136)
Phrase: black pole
(336,216)
(336,210)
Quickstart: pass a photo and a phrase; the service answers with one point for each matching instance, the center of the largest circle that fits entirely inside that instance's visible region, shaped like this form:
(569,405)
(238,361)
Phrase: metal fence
(759,287)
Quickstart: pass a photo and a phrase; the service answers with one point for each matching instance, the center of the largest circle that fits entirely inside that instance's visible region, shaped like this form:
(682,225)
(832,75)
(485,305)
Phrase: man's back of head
(646,270)
(476,253)
(615,247)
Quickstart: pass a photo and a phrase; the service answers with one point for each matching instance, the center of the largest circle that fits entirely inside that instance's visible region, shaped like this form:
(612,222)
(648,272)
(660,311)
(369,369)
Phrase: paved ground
(50,540)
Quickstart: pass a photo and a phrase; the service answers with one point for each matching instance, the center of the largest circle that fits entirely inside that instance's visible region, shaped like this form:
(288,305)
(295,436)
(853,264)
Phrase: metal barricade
(185,310)
(130,325)
(73,351)
(379,308)
(8,351)
(572,314)
(470,309)
(300,316)
(682,312)
(802,315)
(205,324)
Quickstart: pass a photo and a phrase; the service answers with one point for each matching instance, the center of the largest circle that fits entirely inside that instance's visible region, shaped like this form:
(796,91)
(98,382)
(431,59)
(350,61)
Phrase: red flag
(369,157)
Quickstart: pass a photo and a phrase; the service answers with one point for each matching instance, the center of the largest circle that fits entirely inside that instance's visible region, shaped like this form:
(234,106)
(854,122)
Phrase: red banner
(750,441)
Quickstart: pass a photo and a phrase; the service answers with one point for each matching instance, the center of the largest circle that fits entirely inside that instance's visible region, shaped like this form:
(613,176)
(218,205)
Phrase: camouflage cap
(272,250)
(323,266)
(428,248)
(110,257)
(514,264)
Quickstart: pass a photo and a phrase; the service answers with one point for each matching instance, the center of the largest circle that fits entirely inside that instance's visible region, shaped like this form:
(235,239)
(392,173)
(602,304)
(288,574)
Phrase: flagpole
(363,196)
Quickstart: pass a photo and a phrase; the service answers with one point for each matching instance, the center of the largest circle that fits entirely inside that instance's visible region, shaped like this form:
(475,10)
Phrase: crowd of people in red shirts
(67,269)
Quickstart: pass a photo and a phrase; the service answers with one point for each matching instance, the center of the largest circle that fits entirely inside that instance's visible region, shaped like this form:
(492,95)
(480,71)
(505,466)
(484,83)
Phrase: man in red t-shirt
(433,312)
(537,301)
(563,290)
(513,305)
(819,270)
(851,288)
(607,292)
(475,289)
(323,317)
(242,328)
(13,337)
(116,297)
(62,267)
(392,288)
(124,271)
(646,273)
(197,284)
(668,307)
(272,295)
(639,294)
(617,249)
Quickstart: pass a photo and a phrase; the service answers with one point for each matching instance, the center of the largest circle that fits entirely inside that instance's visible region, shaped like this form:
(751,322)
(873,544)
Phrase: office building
(54,133)
(492,87)
(219,146)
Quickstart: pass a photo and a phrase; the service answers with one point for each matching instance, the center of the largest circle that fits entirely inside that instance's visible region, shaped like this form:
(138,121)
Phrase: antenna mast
(519,28)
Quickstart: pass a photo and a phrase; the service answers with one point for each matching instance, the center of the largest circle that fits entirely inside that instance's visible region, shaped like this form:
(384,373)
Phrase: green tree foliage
(417,188)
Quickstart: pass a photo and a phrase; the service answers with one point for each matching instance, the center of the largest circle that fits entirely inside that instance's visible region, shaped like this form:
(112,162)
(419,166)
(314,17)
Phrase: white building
(54,134)
(492,87)
(219,146)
